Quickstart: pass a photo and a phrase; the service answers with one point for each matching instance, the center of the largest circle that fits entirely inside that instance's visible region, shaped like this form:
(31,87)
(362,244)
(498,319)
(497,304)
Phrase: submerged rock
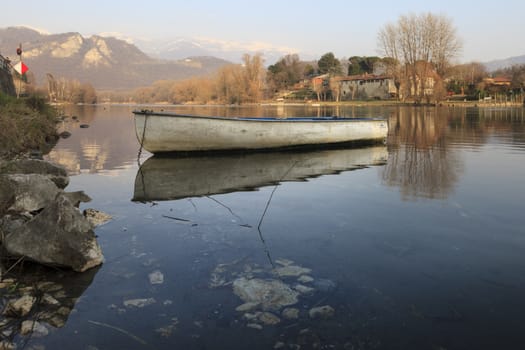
(247,307)
(303,289)
(6,345)
(254,326)
(156,277)
(139,303)
(269,294)
(19,307)
(305,279)
(290,313)
(324,312)
(324,285)
(35,328)
(268,318)
(292,271)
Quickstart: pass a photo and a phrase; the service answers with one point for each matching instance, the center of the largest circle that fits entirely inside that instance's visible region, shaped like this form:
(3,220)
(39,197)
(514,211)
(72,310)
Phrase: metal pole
(19,53)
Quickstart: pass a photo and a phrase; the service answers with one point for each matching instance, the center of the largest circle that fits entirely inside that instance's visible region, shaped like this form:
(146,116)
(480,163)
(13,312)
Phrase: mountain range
(107,63)
(504,63)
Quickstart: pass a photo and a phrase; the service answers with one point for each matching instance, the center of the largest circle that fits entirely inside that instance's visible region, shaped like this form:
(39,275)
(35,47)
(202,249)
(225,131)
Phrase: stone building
(367,86)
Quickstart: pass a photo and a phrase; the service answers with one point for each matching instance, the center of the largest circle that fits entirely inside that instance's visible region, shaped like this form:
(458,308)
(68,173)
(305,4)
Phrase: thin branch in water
(193,204)
(230,210)
(13,266)
(264,213)
(175,218)
(271,195)
(119,330)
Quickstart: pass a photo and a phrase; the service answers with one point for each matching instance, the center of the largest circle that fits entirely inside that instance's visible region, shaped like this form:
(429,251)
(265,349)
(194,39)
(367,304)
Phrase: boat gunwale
(329,119)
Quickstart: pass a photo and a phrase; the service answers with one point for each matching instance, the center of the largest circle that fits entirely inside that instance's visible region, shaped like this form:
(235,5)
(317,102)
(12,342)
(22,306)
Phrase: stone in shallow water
(254,326)
(19,307)
(303,289)
(156,277)
(5,345)
(246,307)
(284,262)
(290,313)
(139,302)
(305,279)
(36,329)
(292,271)
(268,318)
(324,312)
(96,217)
(324,285)
(269,294)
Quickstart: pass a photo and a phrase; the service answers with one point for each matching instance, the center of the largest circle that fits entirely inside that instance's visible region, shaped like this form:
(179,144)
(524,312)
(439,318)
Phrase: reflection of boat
(165,178)
(169,132)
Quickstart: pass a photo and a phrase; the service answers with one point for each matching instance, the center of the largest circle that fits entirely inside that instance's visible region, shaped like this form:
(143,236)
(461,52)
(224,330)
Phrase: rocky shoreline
(41,222)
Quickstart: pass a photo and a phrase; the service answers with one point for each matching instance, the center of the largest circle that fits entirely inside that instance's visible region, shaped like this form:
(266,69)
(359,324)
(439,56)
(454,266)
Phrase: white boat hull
(166,132)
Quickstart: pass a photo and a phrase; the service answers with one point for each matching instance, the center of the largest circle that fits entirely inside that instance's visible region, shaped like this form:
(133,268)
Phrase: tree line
(70,90)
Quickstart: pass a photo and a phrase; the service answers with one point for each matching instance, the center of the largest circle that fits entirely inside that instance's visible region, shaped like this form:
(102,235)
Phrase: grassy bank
(25,124)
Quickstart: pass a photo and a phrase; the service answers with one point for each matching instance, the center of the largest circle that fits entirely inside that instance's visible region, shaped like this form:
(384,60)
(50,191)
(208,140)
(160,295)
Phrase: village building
(502,82)
(367,86)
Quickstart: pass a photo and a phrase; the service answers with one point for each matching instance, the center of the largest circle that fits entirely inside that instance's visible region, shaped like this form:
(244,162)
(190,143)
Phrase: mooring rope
(140,153)
(143,136)
(261,237)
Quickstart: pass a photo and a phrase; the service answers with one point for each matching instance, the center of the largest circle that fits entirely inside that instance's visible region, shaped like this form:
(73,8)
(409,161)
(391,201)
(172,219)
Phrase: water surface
(416,244)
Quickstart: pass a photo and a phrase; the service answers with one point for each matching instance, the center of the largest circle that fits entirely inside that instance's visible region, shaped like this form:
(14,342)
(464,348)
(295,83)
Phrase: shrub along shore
(26,124)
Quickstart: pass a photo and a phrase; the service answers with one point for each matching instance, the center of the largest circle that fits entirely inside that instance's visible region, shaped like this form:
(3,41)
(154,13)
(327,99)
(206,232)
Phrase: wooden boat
(167,178)
(170,132)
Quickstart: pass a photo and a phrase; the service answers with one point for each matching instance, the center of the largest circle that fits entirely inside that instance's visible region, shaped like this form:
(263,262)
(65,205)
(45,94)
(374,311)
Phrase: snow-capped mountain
(178,48)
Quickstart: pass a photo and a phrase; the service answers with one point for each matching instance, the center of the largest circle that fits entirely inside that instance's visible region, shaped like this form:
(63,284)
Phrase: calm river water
(415,244)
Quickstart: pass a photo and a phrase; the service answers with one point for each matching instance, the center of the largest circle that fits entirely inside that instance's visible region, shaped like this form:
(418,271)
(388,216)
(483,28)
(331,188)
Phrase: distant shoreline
(379,103)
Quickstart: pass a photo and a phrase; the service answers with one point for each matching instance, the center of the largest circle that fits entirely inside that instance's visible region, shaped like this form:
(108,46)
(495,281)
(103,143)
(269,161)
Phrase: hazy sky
(489,29)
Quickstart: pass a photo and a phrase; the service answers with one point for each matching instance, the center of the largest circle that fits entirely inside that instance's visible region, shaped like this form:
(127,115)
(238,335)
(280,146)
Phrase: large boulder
(58,235)
(53,172)
(26,192)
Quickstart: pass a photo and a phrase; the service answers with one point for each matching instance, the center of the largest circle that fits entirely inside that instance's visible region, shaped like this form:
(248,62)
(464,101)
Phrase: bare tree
(254,76)
(51,87)
(335,87)
(420,44)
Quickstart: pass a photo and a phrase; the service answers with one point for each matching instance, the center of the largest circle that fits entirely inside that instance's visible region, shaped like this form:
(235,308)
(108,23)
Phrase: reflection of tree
(420,162)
